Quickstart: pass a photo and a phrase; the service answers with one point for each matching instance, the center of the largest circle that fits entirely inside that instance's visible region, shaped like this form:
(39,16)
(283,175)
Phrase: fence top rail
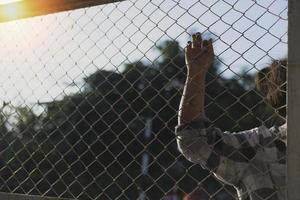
(7,196)
(32,8)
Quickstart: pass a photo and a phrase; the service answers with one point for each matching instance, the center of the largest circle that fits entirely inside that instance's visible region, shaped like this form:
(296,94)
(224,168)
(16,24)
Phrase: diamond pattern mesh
(89,97)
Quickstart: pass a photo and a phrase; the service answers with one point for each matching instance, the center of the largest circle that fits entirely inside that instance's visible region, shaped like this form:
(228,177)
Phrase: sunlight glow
(9,10)
(8,1)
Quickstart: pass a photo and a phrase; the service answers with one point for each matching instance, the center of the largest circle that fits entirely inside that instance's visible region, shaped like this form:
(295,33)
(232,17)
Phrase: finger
(207,45)
(199,37)
(188,46)
(196,41)
(210,47)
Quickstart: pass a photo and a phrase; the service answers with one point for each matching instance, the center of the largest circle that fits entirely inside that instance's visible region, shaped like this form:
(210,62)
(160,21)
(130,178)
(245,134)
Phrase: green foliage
(3,121)
(100,131)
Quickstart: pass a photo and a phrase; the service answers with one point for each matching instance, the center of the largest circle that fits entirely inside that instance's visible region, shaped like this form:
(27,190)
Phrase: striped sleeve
(226,154)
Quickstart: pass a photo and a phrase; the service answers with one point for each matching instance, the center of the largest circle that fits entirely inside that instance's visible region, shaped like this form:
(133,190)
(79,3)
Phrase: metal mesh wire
(90,97)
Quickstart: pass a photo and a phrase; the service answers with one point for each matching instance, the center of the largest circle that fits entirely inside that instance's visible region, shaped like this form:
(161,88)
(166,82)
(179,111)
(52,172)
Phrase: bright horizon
(43,57)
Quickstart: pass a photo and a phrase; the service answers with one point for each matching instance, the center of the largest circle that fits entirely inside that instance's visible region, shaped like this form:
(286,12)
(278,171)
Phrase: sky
(45,58)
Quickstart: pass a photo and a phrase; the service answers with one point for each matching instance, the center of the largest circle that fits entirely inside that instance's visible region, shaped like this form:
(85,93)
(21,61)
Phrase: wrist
(197,75)
(197,69)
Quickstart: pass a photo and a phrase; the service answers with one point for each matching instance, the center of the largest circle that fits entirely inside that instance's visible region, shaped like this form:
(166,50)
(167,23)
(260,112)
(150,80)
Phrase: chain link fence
(89,97)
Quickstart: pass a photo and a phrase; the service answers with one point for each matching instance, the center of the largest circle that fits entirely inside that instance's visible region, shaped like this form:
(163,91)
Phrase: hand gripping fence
(89,96)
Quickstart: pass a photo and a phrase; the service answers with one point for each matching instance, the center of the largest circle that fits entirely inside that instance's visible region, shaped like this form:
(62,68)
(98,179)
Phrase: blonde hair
(271,81)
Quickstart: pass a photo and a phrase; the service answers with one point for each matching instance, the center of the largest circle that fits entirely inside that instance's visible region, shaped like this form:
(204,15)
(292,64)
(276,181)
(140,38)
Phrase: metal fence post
(293,168)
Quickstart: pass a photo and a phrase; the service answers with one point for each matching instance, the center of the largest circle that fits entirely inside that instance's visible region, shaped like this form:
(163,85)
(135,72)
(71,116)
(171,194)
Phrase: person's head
(271,82)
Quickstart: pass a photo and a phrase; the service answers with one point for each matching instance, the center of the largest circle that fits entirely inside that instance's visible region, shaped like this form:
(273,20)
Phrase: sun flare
(7,1)
(10,10)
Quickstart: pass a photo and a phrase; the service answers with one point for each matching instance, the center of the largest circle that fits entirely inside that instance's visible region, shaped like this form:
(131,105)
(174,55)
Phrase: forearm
(198,57)
(192,101)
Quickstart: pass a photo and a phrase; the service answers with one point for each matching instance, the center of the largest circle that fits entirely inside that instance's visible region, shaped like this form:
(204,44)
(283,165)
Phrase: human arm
(198,57)
(226,154)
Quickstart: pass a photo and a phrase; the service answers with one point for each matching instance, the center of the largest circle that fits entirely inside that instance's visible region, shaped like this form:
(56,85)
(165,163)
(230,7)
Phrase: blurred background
(89,97)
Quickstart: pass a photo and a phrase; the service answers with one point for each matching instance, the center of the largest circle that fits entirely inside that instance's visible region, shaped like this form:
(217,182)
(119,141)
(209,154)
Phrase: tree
(93,135)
